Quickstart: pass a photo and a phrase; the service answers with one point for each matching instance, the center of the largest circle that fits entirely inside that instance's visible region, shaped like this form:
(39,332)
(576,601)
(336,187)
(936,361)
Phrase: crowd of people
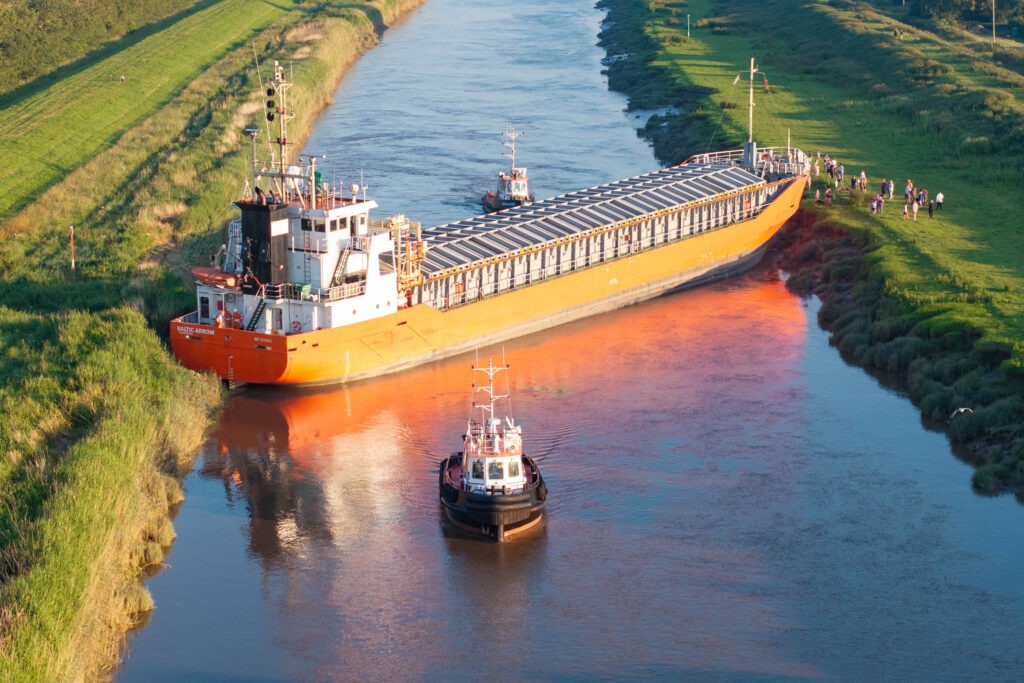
(914,198)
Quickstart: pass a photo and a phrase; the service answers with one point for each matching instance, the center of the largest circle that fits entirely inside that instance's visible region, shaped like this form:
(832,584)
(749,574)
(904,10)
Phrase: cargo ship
(513,186)
(491,486)
(308,289)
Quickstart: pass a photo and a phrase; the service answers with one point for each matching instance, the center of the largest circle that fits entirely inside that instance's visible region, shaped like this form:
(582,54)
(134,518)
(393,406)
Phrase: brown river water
(729,500)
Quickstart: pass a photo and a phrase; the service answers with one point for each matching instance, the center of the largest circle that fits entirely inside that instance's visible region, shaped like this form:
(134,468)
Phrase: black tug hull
(492,204)
(496,515)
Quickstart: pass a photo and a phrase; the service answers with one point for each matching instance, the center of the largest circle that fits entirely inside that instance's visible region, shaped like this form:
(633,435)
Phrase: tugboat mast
(511,134)
(487,409)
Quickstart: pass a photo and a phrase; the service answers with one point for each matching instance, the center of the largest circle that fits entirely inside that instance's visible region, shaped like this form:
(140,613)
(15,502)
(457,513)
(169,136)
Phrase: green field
(939,301)
(97,421)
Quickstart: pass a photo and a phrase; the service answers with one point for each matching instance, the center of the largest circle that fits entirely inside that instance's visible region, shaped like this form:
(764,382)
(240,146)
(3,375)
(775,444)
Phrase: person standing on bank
(931,208)
(938,200)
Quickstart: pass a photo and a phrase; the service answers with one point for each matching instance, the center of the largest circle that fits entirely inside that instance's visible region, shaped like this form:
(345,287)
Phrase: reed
(929,298)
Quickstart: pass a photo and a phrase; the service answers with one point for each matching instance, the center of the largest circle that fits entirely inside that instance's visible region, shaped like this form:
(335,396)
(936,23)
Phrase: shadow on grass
(129,40)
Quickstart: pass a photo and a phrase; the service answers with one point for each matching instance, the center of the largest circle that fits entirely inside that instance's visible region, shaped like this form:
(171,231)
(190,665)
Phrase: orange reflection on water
(642,420)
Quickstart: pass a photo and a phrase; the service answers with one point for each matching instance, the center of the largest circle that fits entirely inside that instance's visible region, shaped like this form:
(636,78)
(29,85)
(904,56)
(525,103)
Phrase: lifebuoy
(296,326)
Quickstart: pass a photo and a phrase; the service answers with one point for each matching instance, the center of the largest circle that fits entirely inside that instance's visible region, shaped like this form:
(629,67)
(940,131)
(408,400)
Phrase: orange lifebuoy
(296,326)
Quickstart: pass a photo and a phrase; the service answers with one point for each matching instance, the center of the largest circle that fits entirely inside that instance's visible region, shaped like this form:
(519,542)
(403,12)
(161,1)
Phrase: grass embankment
(97,421)
(939,301)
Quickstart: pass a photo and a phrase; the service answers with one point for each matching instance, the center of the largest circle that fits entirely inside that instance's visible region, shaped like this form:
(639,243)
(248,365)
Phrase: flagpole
(750,109)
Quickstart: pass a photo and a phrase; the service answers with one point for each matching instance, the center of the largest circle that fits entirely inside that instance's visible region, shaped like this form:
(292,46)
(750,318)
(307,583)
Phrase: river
(729,500)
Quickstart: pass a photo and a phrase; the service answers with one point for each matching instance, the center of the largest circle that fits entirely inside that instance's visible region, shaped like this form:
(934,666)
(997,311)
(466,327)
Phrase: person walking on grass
(915,207)
(938,200)
(892,186)
(931,208)
(905,209)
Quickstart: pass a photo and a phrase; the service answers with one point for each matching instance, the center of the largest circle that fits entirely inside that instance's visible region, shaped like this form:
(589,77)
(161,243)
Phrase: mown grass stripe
(58,129)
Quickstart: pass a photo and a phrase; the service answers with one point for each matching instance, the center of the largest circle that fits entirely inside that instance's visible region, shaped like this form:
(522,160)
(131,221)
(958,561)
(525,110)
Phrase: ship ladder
(307,246)
(339,270)
(251,325)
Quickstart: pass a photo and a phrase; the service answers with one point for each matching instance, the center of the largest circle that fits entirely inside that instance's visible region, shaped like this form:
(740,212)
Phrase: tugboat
(513,189)
(491,487)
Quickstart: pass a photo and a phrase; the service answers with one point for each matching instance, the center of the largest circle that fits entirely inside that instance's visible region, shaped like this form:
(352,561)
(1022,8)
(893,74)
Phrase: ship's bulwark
(420,334)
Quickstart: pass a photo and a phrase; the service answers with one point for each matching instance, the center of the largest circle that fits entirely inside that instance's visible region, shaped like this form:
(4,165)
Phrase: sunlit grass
(933,107)
(96,419)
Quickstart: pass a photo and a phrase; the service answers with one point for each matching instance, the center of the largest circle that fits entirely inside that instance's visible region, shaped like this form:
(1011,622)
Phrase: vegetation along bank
(886,88)
(135,145)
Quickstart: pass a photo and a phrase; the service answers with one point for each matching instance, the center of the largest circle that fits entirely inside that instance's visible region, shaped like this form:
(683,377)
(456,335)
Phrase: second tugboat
(491,487)
(513,187)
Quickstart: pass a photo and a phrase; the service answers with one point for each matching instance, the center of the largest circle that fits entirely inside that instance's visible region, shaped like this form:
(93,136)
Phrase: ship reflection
(336,463)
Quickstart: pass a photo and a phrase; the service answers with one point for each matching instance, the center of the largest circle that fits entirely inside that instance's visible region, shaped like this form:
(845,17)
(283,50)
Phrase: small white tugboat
(513,188)
(491,487)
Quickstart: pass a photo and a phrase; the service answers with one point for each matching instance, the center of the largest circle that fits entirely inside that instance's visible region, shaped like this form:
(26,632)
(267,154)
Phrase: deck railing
(616,251)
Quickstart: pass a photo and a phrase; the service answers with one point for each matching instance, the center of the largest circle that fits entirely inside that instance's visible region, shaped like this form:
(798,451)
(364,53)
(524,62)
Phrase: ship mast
(285,179)
(750,108)
(278,110)
(750,147)
(511,134)
(487,409)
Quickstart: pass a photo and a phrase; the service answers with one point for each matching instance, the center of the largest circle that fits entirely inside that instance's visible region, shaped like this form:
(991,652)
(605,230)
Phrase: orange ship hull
(420,333)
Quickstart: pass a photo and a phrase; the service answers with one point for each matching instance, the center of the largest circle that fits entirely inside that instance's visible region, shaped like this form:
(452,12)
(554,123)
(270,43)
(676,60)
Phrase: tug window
(204,307)
(513,469)
(496,470)
(477,469)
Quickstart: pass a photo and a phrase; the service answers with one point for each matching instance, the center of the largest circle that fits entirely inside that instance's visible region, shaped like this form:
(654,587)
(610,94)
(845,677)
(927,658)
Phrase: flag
(736,80)
(765,83)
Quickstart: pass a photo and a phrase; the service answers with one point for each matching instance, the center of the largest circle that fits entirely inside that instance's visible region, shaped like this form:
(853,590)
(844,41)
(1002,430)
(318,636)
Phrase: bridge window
(477,469)
(204,307)
(496,470)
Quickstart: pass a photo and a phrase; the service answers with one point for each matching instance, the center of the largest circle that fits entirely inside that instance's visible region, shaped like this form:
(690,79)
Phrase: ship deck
(475,239)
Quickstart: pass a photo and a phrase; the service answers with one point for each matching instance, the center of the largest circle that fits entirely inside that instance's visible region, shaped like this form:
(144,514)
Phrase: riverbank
(939,300)
(98,421)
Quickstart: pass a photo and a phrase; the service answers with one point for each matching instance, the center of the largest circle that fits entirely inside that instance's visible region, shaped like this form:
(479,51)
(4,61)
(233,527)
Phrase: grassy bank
(97,421)
(939,301)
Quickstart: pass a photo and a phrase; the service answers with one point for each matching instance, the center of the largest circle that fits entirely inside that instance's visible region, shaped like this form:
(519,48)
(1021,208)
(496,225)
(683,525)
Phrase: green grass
(96,419)
(48,135)
(935,108)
